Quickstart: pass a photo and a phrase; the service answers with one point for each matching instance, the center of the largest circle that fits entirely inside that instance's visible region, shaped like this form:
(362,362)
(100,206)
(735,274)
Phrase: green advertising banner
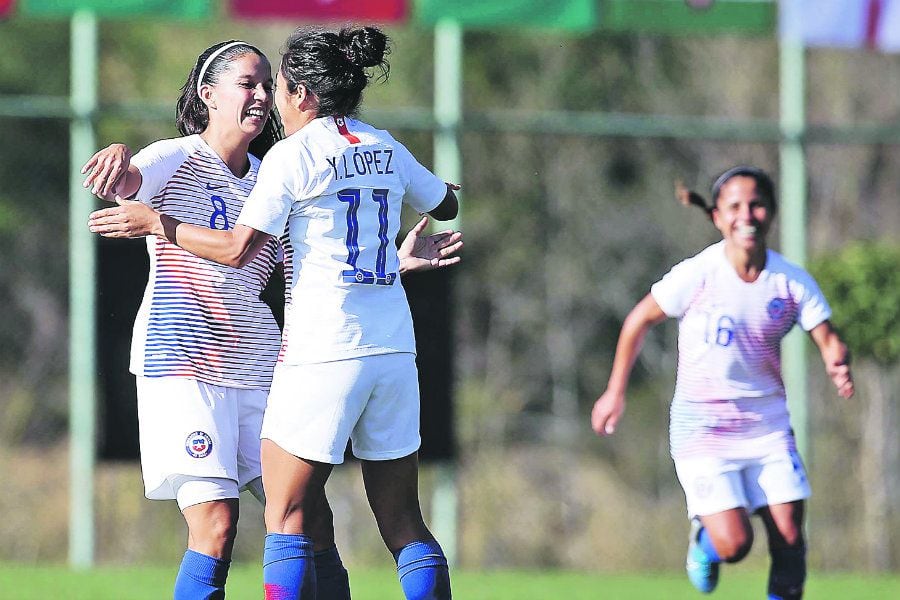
(747,17)
(170,9)
(570,15)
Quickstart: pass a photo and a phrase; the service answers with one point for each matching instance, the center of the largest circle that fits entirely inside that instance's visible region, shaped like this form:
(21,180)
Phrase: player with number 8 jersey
(200,319)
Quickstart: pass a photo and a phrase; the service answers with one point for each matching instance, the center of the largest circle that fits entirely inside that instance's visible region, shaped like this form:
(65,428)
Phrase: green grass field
(245,581)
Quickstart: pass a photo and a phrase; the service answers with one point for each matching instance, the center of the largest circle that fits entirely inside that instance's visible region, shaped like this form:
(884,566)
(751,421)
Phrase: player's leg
(311,411)
(392,490)
(189,438)
(777,488)
(720,524)
(212,526)
(332,579)
(386,438)
(294,488)
(787,547)
(728,533)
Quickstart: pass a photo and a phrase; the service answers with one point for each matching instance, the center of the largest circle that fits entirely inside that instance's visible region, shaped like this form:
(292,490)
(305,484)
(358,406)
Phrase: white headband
(211,58)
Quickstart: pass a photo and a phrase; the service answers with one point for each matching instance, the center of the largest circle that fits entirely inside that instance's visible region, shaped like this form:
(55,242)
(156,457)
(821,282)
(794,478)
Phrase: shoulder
(708,259)
(776,263)
(282,151)
(179,145)
(177,149)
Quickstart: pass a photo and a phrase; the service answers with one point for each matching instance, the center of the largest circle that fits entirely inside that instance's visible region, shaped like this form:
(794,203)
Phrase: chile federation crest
(198,444)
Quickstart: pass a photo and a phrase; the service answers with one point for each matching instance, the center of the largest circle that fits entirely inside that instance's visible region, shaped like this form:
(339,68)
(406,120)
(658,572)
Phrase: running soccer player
(205,345)
(347,364)
(730,432)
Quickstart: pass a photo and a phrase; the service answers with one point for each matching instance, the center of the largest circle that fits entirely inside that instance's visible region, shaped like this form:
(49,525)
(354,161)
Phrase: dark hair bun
(364,47)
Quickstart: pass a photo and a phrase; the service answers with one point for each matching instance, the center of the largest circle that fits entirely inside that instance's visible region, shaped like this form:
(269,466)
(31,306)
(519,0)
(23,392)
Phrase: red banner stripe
(323,10)
(6,7)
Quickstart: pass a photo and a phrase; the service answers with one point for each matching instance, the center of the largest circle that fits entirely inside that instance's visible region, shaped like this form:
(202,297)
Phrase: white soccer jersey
(338,184)
(729,396)
(199,319)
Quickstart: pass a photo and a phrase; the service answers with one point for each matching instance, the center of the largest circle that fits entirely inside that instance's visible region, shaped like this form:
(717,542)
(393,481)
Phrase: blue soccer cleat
(702,572)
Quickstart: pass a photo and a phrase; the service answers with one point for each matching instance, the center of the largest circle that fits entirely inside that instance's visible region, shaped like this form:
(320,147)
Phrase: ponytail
(688,197)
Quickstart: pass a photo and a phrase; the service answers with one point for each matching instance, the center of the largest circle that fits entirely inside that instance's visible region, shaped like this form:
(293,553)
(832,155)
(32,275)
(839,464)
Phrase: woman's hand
(106,169)
(835,356)
(606,413)
(839,371)
(424,253)
(129,219)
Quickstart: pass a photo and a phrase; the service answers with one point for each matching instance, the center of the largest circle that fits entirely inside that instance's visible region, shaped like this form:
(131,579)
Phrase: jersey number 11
(356,274)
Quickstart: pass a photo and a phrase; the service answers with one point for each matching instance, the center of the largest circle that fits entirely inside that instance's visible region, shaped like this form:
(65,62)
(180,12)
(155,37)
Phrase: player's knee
(791,536)
(736,547)
(217,530)
(281,517)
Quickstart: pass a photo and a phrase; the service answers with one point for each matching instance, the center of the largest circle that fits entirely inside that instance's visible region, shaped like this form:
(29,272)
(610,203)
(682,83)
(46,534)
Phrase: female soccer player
(347,364)
(730,434)
(205,345)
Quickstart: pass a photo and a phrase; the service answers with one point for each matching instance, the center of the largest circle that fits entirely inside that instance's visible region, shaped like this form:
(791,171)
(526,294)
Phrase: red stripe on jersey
(342,129)
(873,16)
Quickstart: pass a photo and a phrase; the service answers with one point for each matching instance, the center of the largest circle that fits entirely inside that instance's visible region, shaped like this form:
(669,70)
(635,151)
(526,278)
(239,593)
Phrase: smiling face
(242,97)
(742,215)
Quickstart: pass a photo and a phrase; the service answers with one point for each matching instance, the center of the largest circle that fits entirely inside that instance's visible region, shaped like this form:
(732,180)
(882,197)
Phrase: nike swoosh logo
(215,187)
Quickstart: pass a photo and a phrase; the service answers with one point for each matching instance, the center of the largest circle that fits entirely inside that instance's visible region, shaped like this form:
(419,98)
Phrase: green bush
(862,284)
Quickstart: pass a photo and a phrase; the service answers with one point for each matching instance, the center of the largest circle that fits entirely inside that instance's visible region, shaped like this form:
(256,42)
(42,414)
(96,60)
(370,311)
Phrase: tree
(862,283)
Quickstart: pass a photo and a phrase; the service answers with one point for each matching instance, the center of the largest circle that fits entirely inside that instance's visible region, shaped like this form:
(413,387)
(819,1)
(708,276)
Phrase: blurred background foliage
(564,233)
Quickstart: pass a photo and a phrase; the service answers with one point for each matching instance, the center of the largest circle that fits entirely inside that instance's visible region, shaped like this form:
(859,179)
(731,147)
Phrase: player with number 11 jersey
(342,182)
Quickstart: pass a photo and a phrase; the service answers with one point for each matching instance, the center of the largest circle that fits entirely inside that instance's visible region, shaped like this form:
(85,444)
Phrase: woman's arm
(238,246)
(449,206)
(111,174)
(235,247)
(610,405)
(835,356)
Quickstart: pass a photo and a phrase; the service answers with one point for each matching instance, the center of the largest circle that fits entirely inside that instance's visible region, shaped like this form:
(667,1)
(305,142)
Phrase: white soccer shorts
(314,409)
(193,429)
(713,485)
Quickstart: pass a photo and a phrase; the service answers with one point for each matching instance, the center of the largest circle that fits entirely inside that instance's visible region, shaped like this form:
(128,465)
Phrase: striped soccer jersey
(338,185)
(729,397)
(199,319)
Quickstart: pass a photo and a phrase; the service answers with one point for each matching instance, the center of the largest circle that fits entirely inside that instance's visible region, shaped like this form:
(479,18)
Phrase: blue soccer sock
(787,574)
(705,544)
(332,581)
(201,577)
(422,568)
(289,572)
